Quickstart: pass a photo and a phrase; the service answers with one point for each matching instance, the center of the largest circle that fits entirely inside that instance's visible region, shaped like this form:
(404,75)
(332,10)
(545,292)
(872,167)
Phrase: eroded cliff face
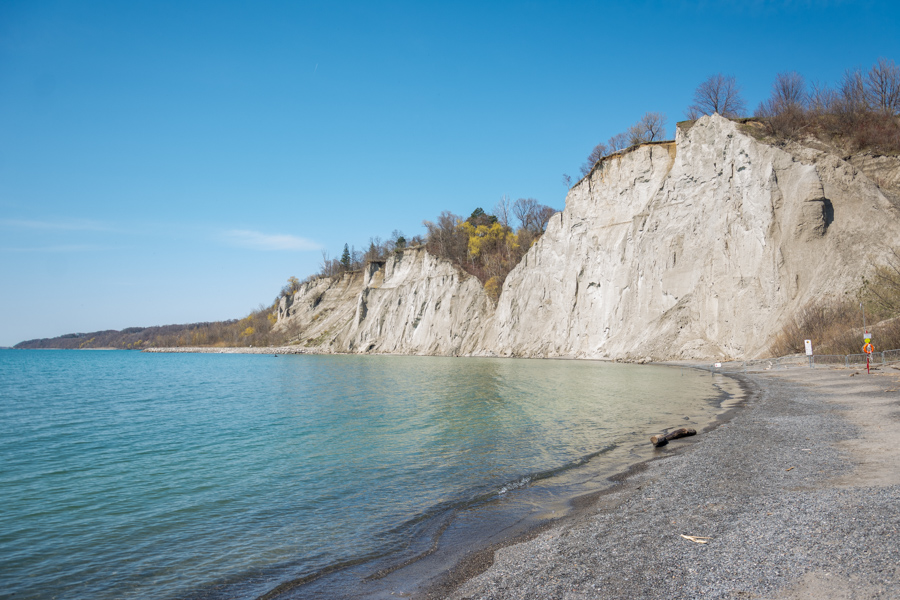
(697,248)
(412,303)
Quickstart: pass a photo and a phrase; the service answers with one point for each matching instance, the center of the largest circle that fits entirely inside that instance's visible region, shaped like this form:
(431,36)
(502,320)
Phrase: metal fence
(800,360)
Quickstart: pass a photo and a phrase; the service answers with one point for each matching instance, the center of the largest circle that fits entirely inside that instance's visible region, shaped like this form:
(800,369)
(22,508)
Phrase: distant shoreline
(237,350)
(304,350)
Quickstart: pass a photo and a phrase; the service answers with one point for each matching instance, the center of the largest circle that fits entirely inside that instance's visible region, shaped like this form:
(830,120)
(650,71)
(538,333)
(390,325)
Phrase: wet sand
(797,496)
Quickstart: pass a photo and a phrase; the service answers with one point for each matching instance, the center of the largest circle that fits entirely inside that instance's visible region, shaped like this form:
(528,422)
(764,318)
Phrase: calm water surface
(129,475)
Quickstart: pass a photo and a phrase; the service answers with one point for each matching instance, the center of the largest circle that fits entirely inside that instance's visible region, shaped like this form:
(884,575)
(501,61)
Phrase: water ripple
(128,475)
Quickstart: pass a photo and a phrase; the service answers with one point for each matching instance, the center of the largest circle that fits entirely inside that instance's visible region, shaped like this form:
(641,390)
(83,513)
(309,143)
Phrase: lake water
(152,476)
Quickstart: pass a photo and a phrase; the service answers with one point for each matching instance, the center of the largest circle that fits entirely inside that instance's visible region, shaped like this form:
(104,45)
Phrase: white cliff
(413,303)
(697,248)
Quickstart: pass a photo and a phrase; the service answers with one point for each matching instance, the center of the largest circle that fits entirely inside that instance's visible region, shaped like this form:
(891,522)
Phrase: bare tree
(599,151)
(544,215)
(618,142)
(374,250)
(532,215)
(718,94)
(822,99)
(525,210)
(292,287)
(651,128)
(502,210)
(445,239)
(850,102)
(789,91)
(859,113)
(785,110)
(397,241)
(882,87)
(853,88)
(567,180)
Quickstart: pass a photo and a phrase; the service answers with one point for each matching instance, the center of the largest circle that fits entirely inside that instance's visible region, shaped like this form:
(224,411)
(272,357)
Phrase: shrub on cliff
(881,291)
(860,114)
(836,326)
(485,245)
(353,260)
(650,128)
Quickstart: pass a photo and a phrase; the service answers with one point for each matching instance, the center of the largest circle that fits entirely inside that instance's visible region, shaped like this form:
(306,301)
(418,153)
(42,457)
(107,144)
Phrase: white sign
(718,365)
(808,347)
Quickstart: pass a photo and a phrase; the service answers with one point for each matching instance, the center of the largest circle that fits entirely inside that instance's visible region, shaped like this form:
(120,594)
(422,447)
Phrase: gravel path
(778,493)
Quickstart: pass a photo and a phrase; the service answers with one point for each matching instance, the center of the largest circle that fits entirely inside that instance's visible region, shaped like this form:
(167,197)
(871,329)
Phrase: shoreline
(475,564)
(454,557)
(794,496)
(793,493)
(235,350)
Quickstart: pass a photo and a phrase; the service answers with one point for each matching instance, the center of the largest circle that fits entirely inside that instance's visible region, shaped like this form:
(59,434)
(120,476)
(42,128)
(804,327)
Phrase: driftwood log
(663,438)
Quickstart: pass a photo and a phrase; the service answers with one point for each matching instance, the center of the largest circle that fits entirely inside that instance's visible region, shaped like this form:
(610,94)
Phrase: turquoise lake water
(132,475)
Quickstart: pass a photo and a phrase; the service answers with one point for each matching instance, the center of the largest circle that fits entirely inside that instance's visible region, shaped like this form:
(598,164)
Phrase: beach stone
(782,494)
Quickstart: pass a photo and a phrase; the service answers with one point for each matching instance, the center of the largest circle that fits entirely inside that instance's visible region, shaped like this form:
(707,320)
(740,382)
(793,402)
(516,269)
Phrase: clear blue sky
(171,162)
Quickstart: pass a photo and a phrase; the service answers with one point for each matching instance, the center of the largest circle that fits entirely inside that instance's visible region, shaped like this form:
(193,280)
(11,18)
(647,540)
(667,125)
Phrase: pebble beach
(797,495)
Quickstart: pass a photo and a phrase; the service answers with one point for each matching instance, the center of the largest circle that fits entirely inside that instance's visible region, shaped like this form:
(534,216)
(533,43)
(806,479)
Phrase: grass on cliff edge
(836,326)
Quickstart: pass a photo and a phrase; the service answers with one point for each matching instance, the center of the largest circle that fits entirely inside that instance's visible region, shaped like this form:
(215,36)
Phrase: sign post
(868,348)
(809,353)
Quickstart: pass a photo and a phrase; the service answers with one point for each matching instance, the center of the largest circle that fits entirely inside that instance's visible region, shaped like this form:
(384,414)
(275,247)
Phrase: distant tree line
(253,330)
(351,259)
(485,245)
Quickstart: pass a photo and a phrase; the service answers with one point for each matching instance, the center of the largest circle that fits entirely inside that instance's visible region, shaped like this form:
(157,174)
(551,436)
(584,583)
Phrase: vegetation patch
(317,341)
(253,330)
(836,326)
(860,113)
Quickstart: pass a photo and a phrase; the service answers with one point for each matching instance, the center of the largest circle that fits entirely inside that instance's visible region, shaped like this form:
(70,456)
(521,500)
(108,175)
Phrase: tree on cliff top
(651,128)
(718,94)
(599,151)
(860,113)
(883,87)
(485,245)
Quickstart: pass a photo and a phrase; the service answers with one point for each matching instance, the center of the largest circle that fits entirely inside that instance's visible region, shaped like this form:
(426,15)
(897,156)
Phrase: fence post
(883,362)
(847,361)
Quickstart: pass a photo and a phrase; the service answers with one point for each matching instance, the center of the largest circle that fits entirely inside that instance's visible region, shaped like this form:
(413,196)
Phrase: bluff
(697,248)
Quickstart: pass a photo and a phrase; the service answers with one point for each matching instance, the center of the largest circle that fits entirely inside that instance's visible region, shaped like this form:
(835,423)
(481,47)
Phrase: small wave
(514,486)
(581,460)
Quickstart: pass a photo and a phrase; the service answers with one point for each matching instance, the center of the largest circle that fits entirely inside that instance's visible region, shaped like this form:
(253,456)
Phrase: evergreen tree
(345,258)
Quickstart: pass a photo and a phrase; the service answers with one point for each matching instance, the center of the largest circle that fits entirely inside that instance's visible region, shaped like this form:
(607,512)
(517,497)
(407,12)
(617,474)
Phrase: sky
(175,162)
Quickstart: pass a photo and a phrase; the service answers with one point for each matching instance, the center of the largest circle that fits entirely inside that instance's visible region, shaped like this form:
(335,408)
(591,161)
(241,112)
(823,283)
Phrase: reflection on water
(152,476)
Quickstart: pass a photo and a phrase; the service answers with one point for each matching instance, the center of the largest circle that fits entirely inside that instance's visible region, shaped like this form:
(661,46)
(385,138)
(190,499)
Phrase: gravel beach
(797,496)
